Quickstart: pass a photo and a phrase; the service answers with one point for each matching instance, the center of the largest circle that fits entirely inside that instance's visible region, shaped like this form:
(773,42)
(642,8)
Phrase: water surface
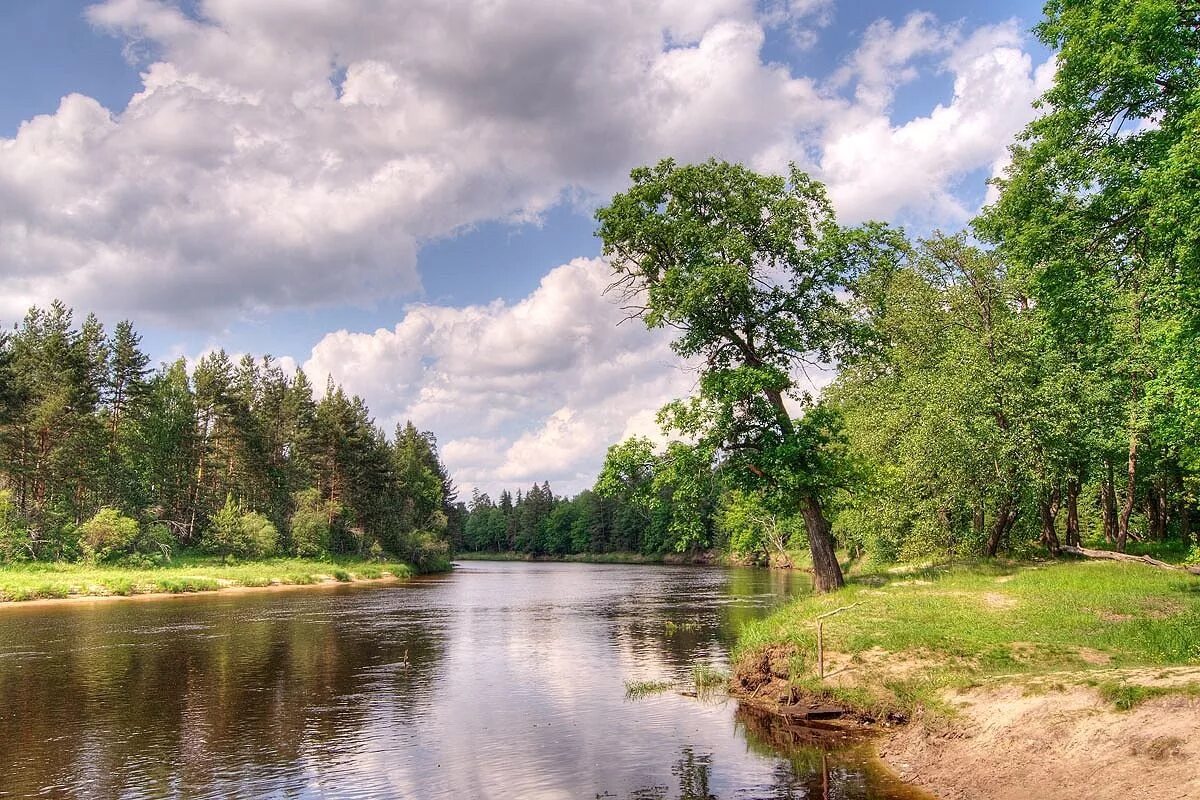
(500,680)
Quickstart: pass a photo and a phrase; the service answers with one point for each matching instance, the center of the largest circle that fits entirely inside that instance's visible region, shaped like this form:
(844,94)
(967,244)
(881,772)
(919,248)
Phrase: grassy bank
(186,573)
(914,633)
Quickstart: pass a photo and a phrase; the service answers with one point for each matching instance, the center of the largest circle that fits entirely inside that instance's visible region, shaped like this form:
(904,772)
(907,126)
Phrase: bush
(238,533)
(107,535)
(428,551)
(14,534)
(311,530)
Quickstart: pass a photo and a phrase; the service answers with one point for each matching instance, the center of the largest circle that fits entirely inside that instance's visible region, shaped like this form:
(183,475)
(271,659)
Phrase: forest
(103,459)
(1028,383)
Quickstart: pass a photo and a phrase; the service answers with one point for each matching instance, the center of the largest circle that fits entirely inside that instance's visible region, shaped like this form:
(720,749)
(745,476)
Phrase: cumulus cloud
(285,154)
(877,169)
(517,392)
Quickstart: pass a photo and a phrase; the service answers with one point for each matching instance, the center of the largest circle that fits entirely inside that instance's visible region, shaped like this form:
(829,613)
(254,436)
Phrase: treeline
(102,457)
(1031,382)
(651,512)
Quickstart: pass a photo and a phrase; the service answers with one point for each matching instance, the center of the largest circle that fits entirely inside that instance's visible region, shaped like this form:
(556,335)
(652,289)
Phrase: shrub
(107,535)
(238,533)
(427,551)
(14,534)
(311,528)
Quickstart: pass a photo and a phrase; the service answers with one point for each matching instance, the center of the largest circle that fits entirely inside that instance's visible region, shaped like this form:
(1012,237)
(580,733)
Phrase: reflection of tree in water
(166,699)
(694,773)
(705,610)
(820,763)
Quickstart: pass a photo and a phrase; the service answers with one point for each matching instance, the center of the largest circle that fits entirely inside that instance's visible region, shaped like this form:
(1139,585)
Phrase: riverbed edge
(224,587)
(1078,719)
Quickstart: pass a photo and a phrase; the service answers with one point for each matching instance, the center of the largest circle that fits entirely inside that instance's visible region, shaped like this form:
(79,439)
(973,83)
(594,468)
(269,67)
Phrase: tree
(1098,213)
(732,261)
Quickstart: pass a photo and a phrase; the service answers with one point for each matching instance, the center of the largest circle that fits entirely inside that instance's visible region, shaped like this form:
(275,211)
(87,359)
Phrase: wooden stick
(821,637)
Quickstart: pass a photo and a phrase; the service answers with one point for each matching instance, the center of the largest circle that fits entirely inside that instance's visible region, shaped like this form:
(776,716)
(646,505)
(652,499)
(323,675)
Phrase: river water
(499,680)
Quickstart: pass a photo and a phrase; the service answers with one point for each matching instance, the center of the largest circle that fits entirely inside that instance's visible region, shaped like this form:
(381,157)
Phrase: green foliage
(312,523)
(747,270)
(107,535)
(14,534)
(754,531)
(233,531)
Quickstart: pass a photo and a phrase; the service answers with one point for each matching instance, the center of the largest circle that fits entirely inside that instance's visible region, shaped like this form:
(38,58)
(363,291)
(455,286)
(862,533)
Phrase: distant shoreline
(700,559)
(38,582)
(230,589)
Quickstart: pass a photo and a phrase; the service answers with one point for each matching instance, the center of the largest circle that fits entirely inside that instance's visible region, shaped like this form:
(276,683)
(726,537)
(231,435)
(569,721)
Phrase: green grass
(707,678)
(187,573)
(966,623)
(1125,696)
(638,689)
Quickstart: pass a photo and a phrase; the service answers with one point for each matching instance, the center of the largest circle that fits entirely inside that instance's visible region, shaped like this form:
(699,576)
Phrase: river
(498,680)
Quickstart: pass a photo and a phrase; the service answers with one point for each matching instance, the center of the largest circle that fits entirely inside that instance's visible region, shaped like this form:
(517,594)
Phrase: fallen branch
(1112,555)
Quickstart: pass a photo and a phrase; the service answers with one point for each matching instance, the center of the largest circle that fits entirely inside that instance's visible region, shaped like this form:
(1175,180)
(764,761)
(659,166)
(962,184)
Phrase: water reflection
(500,680)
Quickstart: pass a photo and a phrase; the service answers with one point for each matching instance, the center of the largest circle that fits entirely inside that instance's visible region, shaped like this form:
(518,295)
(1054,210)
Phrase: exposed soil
(1010,745)
(1048,737)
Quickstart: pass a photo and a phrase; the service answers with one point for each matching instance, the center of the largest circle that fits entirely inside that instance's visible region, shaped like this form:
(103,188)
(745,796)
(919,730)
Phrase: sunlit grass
(186,573)
(963,623)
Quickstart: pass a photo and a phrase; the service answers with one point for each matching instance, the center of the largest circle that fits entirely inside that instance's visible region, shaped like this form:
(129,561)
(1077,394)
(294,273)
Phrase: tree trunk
(1162,513)
(1006,515)
(1130,495)
(977,522)
(1108,503)
(1185,522)
(1073,511)
(1048,510)
(827,572)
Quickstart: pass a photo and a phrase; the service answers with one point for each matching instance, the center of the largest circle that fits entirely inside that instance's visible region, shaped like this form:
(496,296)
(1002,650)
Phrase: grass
(917,631)
(187,573)
(708,678)
(635,690)
(1125,695)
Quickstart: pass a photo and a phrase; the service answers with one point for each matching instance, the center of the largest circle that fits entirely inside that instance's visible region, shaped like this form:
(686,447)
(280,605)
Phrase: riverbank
(703,558)
(1016,680)
(61,581)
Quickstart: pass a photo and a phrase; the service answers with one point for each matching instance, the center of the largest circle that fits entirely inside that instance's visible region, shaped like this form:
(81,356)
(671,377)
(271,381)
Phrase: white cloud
(292,154)
(284,154)
(877,169)
(519,392)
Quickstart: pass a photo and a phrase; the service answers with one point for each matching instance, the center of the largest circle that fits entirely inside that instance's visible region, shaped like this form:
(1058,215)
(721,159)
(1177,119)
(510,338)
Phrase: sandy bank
(1021,737)
(1007,744)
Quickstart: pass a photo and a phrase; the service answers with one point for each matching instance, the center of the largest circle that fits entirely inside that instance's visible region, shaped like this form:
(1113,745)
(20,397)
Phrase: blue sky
(380,189)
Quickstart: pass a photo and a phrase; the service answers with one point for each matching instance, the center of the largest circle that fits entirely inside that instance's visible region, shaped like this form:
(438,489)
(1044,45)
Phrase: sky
(400,193)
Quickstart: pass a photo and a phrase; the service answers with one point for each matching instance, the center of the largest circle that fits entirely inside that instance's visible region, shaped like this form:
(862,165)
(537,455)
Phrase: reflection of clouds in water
(535,691)
(502,680)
